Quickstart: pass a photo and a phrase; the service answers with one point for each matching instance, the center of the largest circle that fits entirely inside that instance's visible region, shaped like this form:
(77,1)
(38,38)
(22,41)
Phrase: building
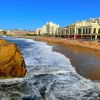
(17,32)
(82,29)
(3,32)
(49,28)
(38,31)
(95,20)
(85,29)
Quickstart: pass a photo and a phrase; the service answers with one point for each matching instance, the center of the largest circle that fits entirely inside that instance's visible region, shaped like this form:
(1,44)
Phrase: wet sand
(85,60)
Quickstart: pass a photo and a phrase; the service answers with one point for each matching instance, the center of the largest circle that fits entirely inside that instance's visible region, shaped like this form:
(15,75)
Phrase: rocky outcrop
(11,61)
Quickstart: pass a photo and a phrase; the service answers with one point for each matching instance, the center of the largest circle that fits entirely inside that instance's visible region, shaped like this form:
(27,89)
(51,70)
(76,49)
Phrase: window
(86,31)
(99,30)
(79,31)
(70,31)
(83,31)
(94,30)
(89,30)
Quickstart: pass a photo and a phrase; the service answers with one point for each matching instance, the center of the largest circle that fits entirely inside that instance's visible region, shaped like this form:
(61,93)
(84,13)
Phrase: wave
(50,76)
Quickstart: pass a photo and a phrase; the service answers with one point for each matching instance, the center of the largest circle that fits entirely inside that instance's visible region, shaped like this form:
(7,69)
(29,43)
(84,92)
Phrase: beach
(84,56)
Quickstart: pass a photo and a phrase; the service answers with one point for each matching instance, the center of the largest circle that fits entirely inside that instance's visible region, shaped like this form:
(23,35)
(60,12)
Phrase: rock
(11,61)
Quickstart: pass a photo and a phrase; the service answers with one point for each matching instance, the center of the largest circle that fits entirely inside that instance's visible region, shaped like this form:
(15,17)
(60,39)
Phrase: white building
(48,28)
(82,29)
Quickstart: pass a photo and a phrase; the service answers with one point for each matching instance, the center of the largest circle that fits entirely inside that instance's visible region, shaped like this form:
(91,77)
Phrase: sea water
(50,76)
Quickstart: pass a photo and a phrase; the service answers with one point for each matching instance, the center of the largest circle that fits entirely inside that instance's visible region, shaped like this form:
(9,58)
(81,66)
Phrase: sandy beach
(84,56)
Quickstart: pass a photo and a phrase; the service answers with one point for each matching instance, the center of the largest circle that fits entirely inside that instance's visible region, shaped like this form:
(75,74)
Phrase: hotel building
(49,28)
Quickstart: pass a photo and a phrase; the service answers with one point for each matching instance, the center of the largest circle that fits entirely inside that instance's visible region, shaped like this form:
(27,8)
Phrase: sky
(31,14)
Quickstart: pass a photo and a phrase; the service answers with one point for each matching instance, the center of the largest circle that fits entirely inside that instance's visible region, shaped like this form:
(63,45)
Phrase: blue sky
(31,14)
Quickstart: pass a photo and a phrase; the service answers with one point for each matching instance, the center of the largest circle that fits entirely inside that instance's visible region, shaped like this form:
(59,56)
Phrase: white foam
(11,81)
(41,53)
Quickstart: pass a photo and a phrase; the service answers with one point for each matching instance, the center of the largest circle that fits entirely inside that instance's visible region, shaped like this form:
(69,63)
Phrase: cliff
(11,61)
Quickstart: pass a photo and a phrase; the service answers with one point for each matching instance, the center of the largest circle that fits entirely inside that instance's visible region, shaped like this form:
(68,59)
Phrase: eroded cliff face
(11,61)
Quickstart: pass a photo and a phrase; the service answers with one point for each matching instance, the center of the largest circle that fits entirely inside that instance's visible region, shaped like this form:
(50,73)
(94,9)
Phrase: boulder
(11,61)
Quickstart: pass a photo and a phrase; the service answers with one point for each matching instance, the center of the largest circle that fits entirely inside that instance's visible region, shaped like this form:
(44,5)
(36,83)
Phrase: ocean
(50,76)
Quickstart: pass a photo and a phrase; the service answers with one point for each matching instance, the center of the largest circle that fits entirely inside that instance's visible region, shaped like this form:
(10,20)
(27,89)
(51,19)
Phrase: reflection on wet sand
(85,61)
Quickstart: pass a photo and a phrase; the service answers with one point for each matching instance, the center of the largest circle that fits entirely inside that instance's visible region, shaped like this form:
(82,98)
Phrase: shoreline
(85,60)
(64,41)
